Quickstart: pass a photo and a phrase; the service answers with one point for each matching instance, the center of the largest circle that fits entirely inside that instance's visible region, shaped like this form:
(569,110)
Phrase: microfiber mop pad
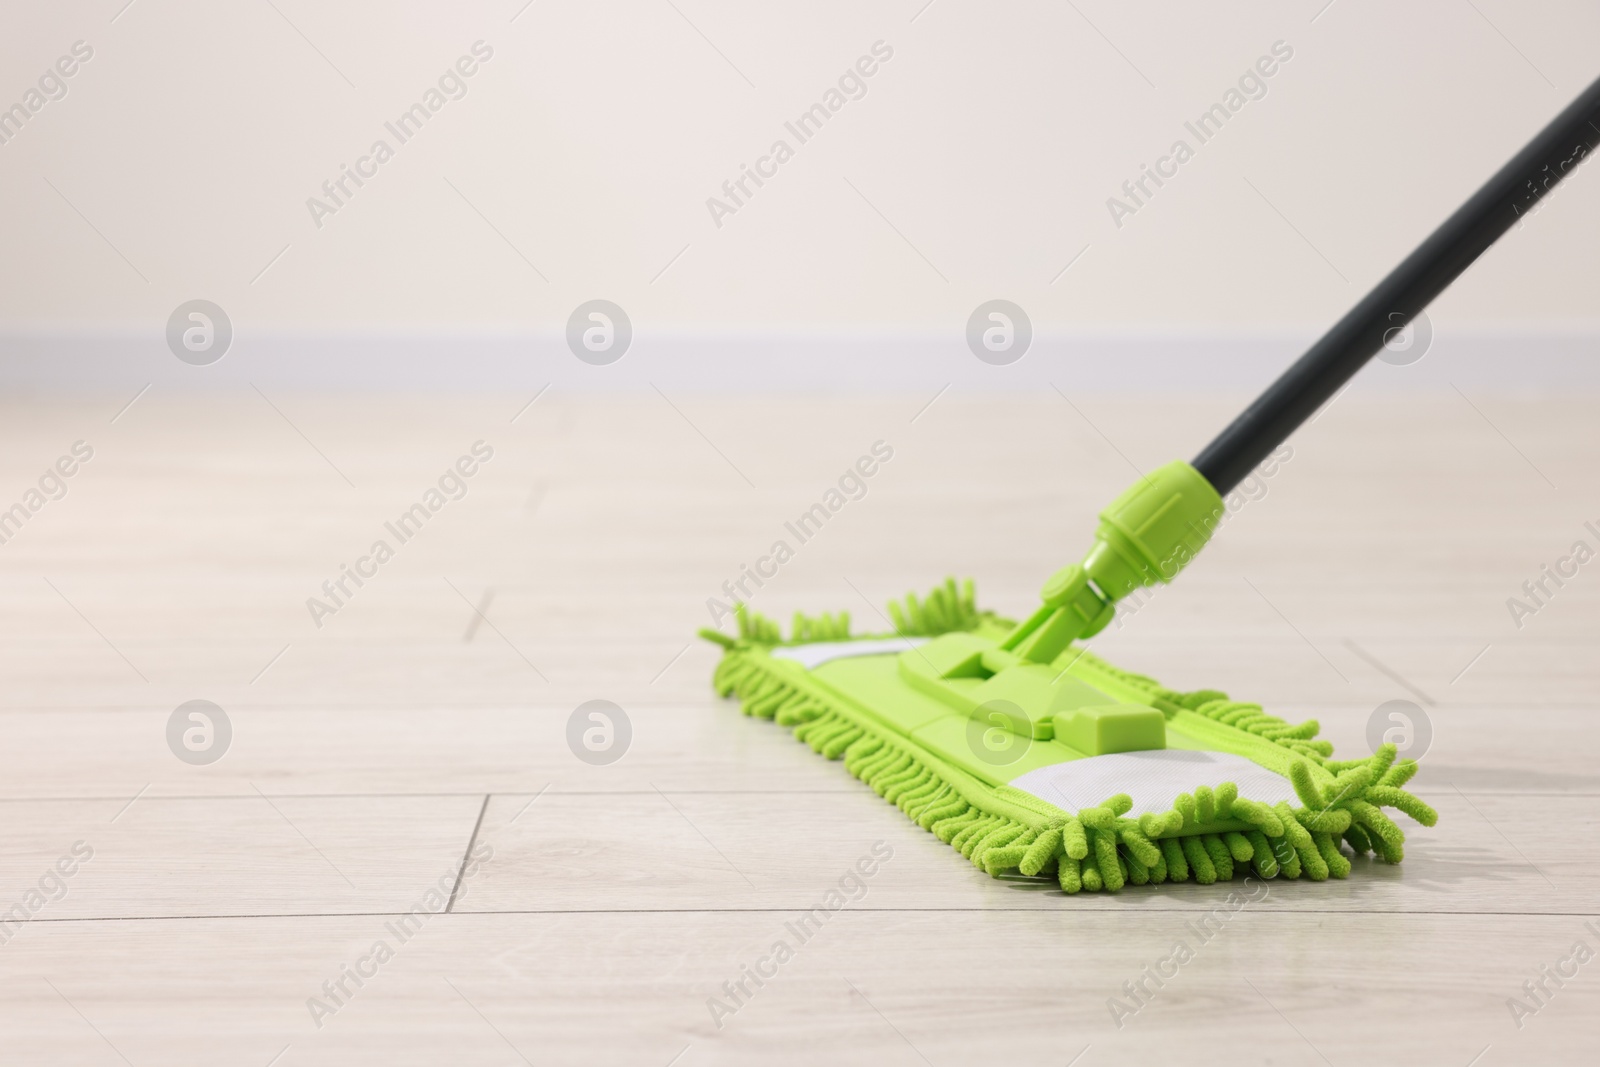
(1118,779)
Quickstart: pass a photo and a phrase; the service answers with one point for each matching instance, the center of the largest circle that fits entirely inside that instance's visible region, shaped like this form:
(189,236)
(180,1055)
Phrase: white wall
(977,165)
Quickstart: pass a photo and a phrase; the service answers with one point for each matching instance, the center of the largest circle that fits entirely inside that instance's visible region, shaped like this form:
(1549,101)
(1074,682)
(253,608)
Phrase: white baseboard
(1145,361)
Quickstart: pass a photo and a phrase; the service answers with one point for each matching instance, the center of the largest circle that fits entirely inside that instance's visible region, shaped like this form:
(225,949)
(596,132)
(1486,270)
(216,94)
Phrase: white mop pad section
(814,655)
(1152,778)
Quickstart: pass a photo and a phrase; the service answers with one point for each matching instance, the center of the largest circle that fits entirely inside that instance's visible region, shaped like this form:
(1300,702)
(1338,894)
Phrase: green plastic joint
(1071,609)
(1151,532)
(1146,535)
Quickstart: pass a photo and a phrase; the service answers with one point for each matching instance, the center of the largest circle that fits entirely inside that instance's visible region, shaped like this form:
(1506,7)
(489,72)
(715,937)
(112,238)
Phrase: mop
(1014,744)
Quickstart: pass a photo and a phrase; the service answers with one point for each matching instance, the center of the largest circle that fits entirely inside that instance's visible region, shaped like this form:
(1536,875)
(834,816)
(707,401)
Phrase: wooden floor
(427,719)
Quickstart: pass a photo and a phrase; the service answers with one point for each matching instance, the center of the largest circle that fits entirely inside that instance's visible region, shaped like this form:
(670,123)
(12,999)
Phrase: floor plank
(247,855)
(700,746)
(866,988)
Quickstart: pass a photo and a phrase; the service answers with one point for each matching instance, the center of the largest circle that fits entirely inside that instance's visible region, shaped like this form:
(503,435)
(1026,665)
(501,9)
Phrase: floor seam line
(465,856)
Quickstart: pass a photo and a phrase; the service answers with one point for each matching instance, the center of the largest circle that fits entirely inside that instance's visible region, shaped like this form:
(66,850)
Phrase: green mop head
(1067,766)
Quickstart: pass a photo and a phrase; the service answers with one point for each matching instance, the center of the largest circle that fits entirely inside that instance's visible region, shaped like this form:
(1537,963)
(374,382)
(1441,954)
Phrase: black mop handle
(1423,275)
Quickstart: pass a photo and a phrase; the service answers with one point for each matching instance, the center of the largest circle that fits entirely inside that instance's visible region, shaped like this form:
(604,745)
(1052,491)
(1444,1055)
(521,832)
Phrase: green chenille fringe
(947,608)
(1097,848)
